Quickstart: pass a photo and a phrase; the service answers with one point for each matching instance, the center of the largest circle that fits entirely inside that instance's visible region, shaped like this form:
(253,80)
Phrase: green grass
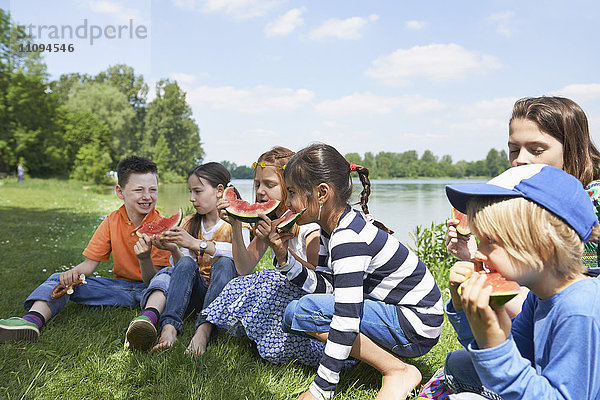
(44,226)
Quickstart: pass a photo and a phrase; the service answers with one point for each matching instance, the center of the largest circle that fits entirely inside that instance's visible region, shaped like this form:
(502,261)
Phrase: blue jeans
(379,322)
(189,293)
(462,377)
(97,292)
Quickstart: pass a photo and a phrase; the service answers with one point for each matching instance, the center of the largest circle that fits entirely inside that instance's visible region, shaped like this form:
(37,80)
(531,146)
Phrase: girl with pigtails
(253,304)
(370,297)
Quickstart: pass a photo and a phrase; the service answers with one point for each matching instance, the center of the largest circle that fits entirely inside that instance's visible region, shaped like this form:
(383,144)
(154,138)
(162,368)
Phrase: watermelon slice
(160,226)
(288,219)
(502,289)
(229,194)
(246,212)
(463,224)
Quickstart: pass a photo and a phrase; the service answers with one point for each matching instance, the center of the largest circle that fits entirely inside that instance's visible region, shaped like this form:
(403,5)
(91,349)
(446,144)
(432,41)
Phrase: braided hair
(322,163)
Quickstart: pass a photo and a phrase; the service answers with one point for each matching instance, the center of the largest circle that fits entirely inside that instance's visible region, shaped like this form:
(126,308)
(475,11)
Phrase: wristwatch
(202,247)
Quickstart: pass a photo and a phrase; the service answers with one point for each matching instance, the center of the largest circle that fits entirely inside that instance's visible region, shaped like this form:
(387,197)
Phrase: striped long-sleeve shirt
(359,261)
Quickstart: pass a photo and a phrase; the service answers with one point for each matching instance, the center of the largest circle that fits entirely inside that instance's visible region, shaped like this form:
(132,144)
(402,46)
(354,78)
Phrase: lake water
(400,204)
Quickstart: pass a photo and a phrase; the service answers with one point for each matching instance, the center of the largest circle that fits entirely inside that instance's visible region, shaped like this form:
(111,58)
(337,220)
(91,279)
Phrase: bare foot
(168,337)
(399,382)
(200,339)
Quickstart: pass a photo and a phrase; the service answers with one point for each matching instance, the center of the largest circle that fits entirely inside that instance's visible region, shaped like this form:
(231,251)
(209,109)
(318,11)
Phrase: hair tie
(352,167)
(369,218)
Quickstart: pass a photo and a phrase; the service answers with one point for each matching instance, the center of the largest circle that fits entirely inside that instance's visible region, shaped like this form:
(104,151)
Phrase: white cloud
(580,92)
(235,8)
(372,105)
(262,133)
(484,116)
(350,28)
(286,23)
(421,136)
(504,23)
(183,78)
(260,99)
(441,62)
(415,25)
(334,124)
(117,11)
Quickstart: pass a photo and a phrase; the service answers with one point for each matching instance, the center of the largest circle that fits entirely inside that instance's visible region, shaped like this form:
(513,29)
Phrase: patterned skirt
(253,306)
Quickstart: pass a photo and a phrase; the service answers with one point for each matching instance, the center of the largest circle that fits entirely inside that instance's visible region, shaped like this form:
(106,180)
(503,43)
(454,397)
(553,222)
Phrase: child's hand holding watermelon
(490,327)
(180,237)
(143,247)
(462,246)
(222,204)
(161,243)
(266,230)
(459,273)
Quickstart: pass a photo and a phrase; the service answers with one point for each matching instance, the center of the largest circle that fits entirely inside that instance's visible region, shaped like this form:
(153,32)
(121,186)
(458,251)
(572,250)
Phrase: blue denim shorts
(379,322)
(100,292)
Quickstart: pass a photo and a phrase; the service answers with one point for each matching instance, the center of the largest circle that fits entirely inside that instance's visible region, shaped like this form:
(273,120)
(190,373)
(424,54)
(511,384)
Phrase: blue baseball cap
(550,187)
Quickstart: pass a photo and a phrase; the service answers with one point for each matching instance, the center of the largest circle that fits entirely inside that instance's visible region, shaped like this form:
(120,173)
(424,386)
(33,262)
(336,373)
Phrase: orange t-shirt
(116,234)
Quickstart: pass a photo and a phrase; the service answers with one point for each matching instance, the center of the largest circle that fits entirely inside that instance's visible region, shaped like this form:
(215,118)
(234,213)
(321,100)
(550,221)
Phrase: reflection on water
(399,204)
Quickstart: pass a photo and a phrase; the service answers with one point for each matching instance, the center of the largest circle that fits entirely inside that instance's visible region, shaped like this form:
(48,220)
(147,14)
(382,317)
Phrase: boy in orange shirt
(135,261)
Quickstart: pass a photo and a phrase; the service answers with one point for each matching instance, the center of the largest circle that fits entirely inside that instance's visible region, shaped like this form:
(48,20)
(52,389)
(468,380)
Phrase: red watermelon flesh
(288,219)
(229,194)
(246,212)
(502,289)
(463,224)
(159,226)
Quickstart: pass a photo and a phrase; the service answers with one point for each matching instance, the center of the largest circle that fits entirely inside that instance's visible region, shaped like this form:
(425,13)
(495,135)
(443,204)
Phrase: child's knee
(288,316)
(186,263)
(310,313)
(222,265)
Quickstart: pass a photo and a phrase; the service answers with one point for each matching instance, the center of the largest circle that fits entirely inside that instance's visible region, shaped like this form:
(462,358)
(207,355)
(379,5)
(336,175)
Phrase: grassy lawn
(44,227)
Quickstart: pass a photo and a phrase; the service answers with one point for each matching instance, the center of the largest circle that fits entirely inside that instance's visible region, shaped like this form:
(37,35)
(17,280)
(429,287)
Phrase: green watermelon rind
(463,231)
(286,226)
(497,299)
(179,219)
(251,218)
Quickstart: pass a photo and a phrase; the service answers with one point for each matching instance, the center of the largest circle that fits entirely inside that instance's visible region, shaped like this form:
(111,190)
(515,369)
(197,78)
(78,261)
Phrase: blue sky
(360,75)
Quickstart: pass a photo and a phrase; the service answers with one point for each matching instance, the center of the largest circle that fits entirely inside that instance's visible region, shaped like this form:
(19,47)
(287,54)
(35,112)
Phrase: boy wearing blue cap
(532,222)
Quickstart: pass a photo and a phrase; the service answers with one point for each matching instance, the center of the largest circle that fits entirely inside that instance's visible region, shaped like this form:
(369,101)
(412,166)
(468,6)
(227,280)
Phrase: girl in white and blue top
(370,297)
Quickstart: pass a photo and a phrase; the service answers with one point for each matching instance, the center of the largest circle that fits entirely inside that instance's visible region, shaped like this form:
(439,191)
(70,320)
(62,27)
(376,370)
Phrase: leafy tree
(354,158)
(243,172)
(169,117)
(238,172)
(78,129)
(26,110)
(369,160)
(109,105)
(495,163)
(91,163)
(66,83)
(123,77)
(428,157)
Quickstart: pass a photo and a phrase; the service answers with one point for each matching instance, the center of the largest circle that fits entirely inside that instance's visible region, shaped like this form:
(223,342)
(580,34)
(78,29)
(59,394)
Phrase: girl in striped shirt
(370,297)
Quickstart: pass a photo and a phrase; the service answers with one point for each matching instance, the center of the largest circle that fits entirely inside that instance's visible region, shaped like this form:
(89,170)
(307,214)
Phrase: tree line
(80,126)
(387,165)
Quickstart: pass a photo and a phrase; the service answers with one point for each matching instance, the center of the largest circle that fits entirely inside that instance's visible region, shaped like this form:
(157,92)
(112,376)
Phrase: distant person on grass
(137,187)
(203,264)
(20,172)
